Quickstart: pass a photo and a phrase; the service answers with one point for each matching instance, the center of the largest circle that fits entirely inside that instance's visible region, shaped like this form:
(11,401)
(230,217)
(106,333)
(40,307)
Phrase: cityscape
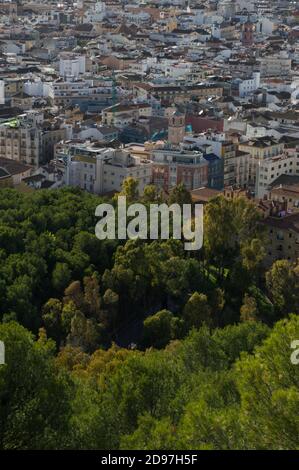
(126,343)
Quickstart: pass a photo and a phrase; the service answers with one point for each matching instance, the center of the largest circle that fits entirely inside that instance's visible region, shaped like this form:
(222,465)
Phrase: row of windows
(265,177)
(280,166)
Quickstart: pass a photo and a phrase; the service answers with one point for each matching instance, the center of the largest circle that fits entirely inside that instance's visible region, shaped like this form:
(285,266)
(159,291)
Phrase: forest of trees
(140,344)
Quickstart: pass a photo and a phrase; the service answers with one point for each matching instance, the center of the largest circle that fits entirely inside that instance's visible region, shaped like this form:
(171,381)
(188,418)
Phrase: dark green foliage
(208,374)
(47,240)
(35,397)
(161,328)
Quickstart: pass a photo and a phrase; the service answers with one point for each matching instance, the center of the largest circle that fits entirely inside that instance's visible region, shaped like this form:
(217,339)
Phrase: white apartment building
(81,92)
(71,65)
(270,169)
(39,88)
(260,149)
(245,87)
(103,170)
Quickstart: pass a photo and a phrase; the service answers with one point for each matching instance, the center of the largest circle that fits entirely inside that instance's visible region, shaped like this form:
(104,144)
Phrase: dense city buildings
(204,93)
